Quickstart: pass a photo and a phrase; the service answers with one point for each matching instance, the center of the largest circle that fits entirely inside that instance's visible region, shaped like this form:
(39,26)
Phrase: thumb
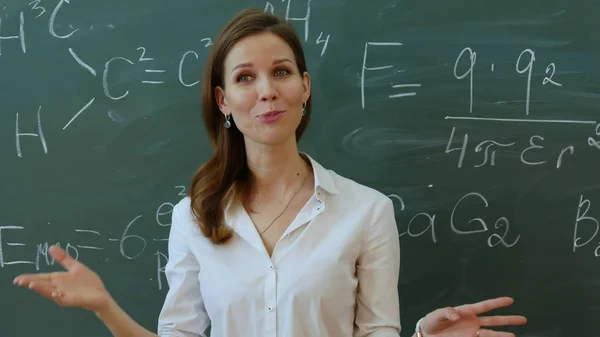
(61,256)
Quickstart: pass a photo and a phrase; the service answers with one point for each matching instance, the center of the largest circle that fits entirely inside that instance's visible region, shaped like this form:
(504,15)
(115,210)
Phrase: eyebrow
(249,64)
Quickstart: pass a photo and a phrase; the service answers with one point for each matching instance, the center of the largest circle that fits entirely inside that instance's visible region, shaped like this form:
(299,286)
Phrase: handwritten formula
(463,146)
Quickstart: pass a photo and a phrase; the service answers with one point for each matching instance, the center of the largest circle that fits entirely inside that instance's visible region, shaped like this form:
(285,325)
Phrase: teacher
(269,242)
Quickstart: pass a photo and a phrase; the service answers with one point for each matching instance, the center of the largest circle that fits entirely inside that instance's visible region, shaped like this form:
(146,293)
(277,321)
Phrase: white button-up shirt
(333,273)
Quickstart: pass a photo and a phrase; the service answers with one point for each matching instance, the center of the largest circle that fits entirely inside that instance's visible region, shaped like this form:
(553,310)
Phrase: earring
(227,122)
(303,108)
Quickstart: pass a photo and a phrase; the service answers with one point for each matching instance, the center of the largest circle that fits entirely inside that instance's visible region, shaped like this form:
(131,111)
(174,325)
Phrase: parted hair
(225,175)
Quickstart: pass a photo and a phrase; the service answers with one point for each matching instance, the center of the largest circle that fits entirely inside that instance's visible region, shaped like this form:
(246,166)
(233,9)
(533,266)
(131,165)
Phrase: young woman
(268,242)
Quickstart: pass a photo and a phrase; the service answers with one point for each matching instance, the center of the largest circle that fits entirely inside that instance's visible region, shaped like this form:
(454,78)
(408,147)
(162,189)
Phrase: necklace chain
(286,206)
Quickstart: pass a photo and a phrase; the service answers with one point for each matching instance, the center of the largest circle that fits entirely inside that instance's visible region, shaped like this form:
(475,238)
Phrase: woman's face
(263,90)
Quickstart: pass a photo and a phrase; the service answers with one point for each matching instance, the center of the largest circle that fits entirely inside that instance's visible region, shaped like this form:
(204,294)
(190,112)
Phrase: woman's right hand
(78,286)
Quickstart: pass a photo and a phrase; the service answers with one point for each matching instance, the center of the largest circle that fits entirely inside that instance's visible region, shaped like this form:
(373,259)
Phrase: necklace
(286,206)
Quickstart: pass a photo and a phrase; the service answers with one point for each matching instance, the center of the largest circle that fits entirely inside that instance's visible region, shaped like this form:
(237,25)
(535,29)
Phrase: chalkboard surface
(480,119)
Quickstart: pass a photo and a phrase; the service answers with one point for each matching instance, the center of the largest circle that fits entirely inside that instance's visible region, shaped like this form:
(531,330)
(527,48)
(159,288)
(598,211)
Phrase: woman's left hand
(463,321)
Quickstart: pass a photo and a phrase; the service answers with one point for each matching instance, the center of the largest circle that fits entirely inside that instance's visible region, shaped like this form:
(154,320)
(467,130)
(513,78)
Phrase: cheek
(242,101)
(292,93)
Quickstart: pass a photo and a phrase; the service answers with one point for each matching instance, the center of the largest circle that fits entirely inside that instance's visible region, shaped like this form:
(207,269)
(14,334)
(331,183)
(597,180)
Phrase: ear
(221,101)
(306,86)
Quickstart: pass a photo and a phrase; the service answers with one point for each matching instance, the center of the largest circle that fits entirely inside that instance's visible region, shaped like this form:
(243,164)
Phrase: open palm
(78,286)
(463,321)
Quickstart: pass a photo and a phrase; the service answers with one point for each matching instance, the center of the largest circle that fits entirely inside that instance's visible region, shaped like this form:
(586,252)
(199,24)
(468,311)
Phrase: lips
(272,113)
(271,116)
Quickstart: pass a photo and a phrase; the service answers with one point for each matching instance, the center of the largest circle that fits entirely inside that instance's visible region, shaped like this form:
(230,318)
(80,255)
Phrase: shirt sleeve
(183,313)
(378,266)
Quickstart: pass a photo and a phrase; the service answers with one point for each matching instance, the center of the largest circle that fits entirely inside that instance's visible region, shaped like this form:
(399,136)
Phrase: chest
(315,263)
(310,274)
(273,221)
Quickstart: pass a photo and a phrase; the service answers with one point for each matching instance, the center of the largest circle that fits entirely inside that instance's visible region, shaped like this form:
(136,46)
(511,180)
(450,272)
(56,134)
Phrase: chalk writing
(523,66)
(305,18)
(485,147)
(87,105)
(269,7)
(20,134)
(534,146)
(527,69)
(489,148)
(35,6)
(592,141)
(370,68)
(20,37)
(4,261)
(425,222)
(161,261)
(551,67)
(82,63)
(180,72)
(126,236)
(51,22)
(484,227)
(324,41)
(131,242)
(107,92)
(469,72)
(583,219)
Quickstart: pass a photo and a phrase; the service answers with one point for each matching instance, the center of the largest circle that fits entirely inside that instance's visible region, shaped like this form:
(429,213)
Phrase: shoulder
(183,207)
(346,189)
(370,209)
(361,196)
(183,217)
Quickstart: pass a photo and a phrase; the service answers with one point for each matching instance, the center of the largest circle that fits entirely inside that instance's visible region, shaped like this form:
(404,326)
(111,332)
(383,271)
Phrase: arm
(183,313)
(378,308)
(119,323)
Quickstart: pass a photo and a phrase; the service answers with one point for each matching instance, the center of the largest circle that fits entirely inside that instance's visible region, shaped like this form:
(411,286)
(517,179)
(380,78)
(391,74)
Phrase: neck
(276,169)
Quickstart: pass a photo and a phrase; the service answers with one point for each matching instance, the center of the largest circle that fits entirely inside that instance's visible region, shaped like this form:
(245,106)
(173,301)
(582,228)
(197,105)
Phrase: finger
(43,288)
(502,320)
(446,314)
(25,279)
(492,333)
(61,256)
(487,305)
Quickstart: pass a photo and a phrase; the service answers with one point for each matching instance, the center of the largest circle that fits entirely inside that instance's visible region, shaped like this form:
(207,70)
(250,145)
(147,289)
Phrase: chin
(278,137)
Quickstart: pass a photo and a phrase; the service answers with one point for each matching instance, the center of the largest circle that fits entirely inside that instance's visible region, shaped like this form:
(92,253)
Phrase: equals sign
(413,93)
(154,71)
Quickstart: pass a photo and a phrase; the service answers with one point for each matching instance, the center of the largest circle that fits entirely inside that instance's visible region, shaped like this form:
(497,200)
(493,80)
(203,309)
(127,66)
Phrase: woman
(268,242)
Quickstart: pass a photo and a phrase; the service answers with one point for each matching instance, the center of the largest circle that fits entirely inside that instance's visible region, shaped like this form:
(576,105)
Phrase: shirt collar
(323,177)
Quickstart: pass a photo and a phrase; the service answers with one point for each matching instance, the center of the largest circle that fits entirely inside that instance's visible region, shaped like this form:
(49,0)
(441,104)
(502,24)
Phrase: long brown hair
(227,169)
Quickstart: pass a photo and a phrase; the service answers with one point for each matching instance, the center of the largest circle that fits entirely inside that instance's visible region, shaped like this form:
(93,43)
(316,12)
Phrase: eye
(243,78)
(282,72)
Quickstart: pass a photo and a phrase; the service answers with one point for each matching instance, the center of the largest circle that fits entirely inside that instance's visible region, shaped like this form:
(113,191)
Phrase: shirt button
(271,267)
(270,308)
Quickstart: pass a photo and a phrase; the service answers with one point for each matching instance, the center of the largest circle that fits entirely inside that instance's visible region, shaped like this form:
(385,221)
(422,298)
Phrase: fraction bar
(559,121)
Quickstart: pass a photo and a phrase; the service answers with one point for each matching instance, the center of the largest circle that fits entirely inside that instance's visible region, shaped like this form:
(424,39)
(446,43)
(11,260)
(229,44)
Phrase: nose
(267,90)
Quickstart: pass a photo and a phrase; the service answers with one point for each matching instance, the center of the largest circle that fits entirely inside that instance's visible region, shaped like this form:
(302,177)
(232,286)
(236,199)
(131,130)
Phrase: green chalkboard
(478,118)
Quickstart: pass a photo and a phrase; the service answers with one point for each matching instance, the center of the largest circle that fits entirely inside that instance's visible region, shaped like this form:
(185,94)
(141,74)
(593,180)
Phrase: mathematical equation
(130,245)
(140,57)
(487,149)
(520,69)
(586,227)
